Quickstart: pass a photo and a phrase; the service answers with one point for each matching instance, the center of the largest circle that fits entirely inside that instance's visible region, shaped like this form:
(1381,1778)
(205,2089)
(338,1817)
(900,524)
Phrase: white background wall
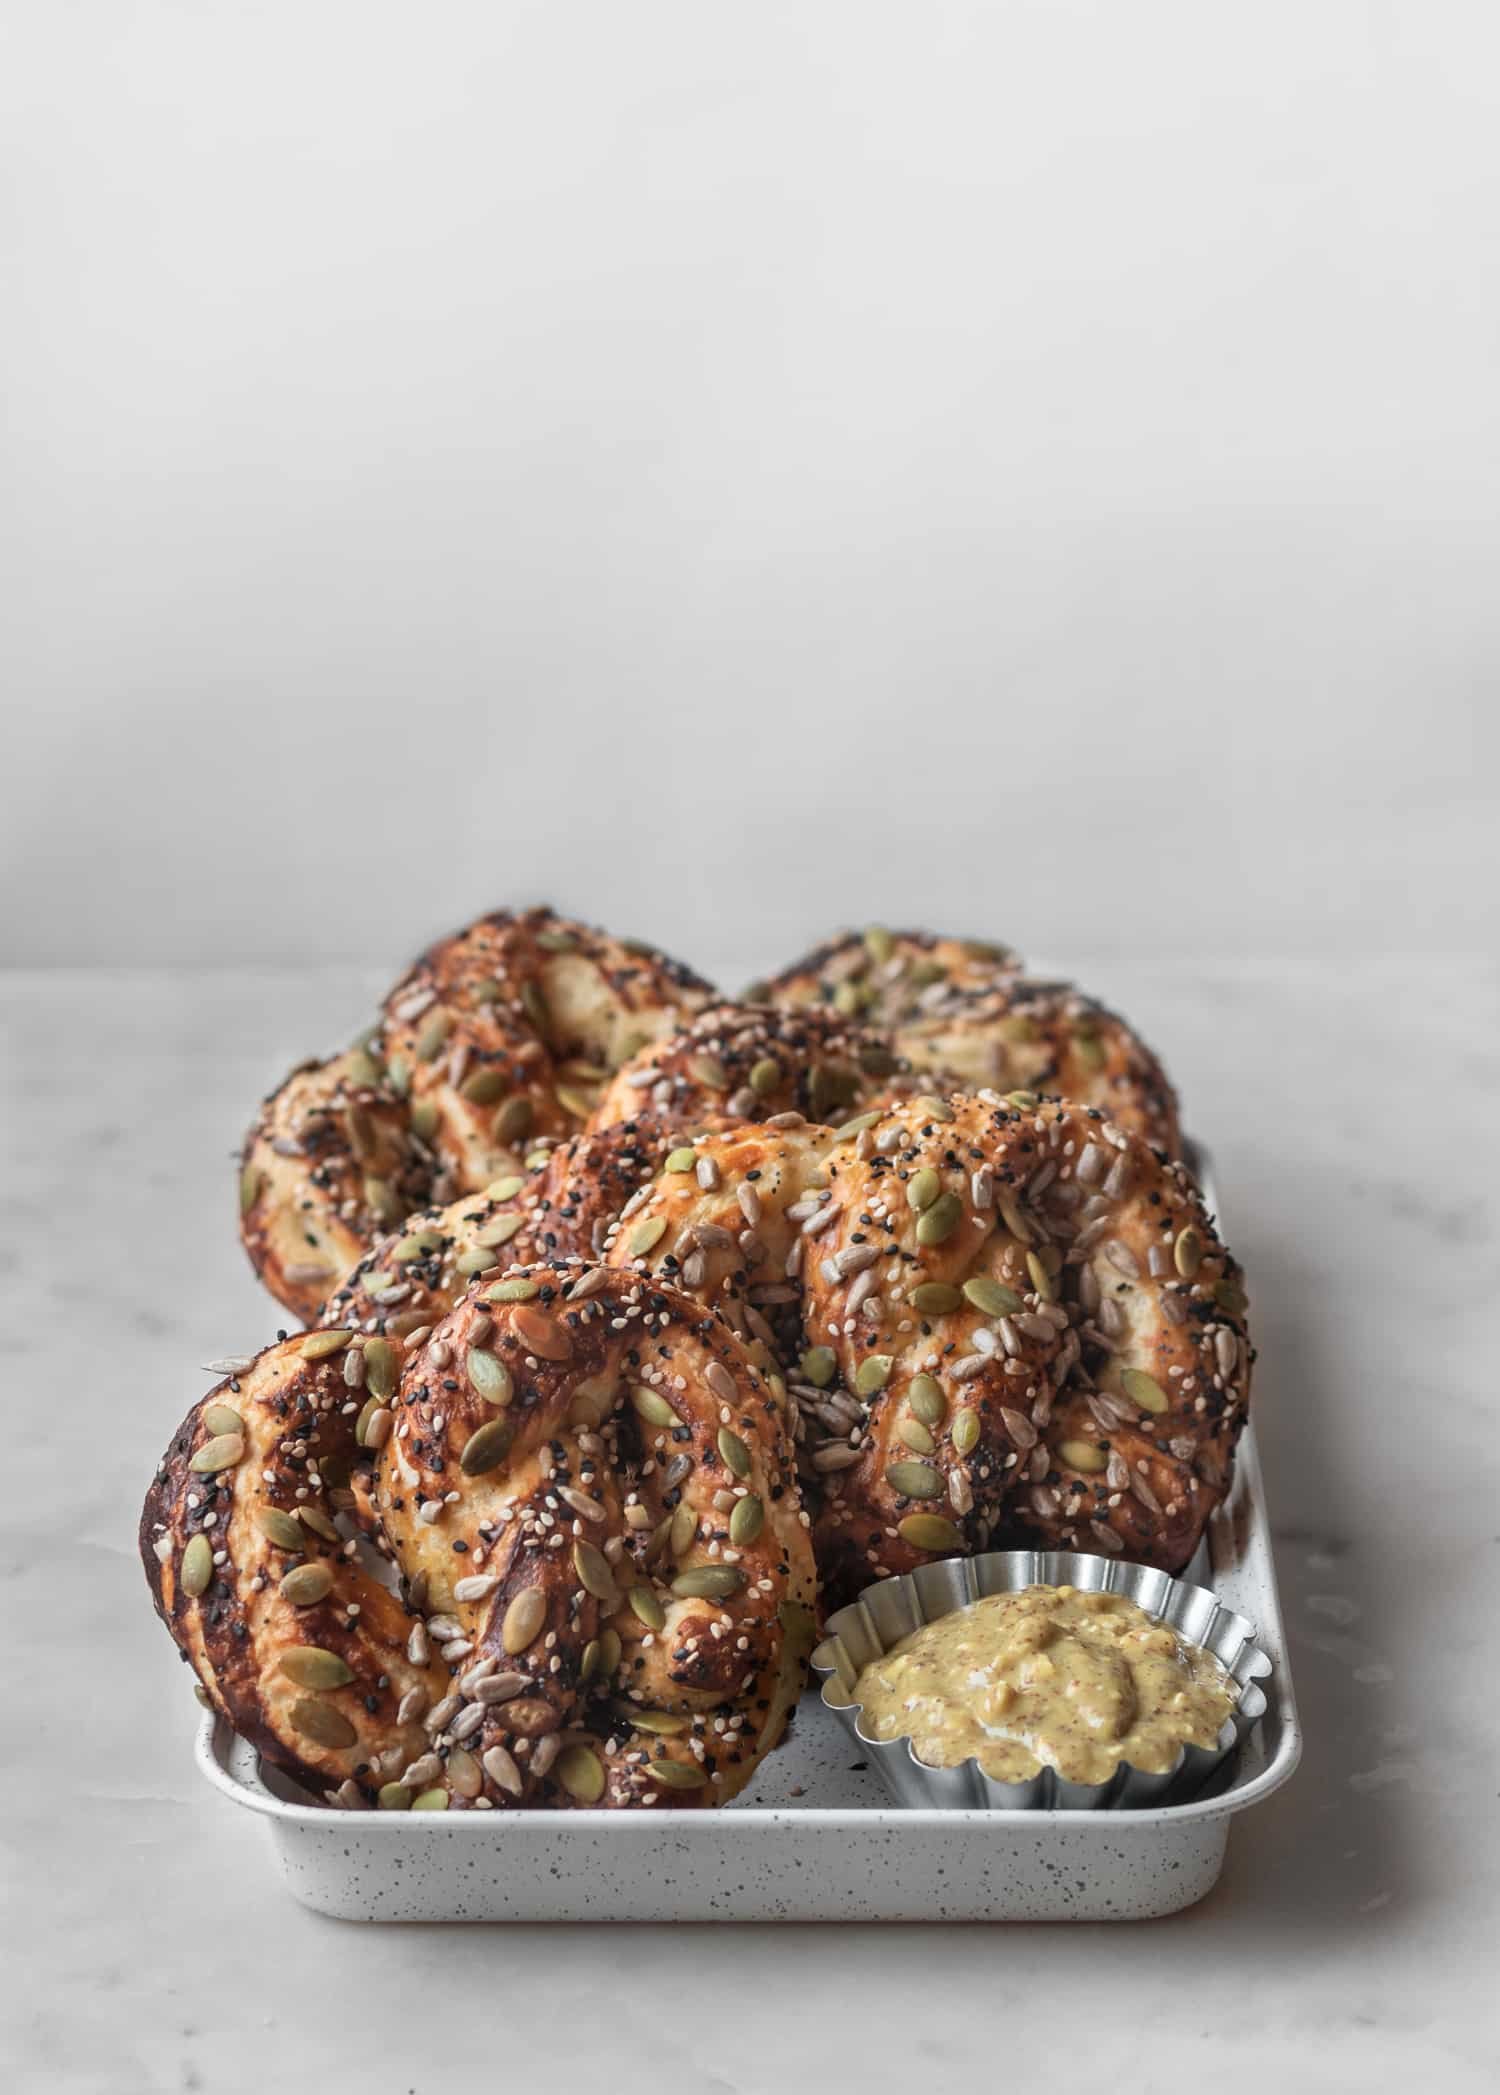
(733,469)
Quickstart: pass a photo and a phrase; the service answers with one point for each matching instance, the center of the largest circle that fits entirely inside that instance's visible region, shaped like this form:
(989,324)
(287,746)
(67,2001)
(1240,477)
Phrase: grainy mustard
(1049,1676)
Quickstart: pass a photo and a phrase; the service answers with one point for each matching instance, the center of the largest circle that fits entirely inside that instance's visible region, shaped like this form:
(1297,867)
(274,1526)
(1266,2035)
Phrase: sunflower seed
(479,1587)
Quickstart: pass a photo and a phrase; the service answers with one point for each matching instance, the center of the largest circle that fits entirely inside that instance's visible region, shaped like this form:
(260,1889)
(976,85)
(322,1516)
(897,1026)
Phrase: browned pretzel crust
(492,1046)
(929,1278)
(588,1488)
(739,1062)
(967,1013)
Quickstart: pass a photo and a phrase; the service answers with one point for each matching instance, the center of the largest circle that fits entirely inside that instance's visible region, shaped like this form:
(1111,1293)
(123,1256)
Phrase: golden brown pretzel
(933,1272)
(746,1062)
(563,1208)
(492,1045)
(588,1489)
(966,1013)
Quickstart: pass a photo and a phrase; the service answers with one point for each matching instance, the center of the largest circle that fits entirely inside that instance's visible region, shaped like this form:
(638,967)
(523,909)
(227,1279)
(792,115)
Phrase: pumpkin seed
(489,1376)
(195,1573)
(1144,1389)
(487,1448)
(505,1188)
(222,1418)
(923,1188)
(734,1451)
(251,1180)
(936,1108)
(925,972)
(609,1653)
(311,1668)
(306,1584)
(581,1773)
(425,1117)
(588,1664)
(914,1435)
(850,999)
(1187,1252)
(831,1087)
(1080,1454)
(765,1075)
(541,1335)
(934,1298)
(484,1086)
(914,1480)
(574,1099)
(513,1123)
(647,1607)
(879,943)
(512,1291)
(500,1231)
(655,1410)
(817,1365)
(523,1621)
(929,1531)
(854,1127)
(475,1260)
(990,1297)
(315,1518)
(380,1199)
(319,1345)
(710,1071)
(431,1800)
(398,1075)
(660,1723)
(677,1774)
(280,1528)
(1230,1296)
(747,1520)
(557,941)
(393,1796)
(1090,1048)
(222,1452)
(594,1574)
(927,1401)
(362,1424)
(682,1532)
(873,1373)
(433,1034)
(1041,1279)
(534,1004)
(681,1159)
(708,1582)
(380,1368)
(965,1434)
(936,1224)
(417,1245)
(322,1723)
(644,1235)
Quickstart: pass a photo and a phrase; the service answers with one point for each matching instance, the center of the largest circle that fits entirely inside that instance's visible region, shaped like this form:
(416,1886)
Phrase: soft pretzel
(494,1043)
(562,1208)
(587,1487)
(967,1013)
(746,1062)
(930,1276)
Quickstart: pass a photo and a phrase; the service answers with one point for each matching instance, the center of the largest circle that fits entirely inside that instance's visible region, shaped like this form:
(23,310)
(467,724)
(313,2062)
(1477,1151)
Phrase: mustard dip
(1049,1676)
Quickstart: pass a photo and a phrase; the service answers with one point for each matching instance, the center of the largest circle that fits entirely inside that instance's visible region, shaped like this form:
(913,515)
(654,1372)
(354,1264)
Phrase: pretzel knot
(586,1489)
(495,1043)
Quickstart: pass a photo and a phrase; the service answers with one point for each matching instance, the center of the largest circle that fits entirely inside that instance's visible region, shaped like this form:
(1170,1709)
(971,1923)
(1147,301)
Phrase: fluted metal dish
(891,1610)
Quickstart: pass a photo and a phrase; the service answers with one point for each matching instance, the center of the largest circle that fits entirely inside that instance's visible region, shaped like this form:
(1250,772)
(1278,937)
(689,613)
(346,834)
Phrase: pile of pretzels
(643,1328)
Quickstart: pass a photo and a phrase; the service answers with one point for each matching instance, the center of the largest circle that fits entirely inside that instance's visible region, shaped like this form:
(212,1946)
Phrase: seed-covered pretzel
(588,1489)
(965,1012)
(739,1062)
(924,1276)
(564,1208)
(496,1041)
(1138,1447)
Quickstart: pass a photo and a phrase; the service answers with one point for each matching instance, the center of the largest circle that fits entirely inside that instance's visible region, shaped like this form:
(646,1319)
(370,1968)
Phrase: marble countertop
(1353,1112)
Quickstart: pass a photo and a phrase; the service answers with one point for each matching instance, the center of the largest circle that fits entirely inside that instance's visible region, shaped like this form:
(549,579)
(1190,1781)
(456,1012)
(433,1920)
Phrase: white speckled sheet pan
(815,1836)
